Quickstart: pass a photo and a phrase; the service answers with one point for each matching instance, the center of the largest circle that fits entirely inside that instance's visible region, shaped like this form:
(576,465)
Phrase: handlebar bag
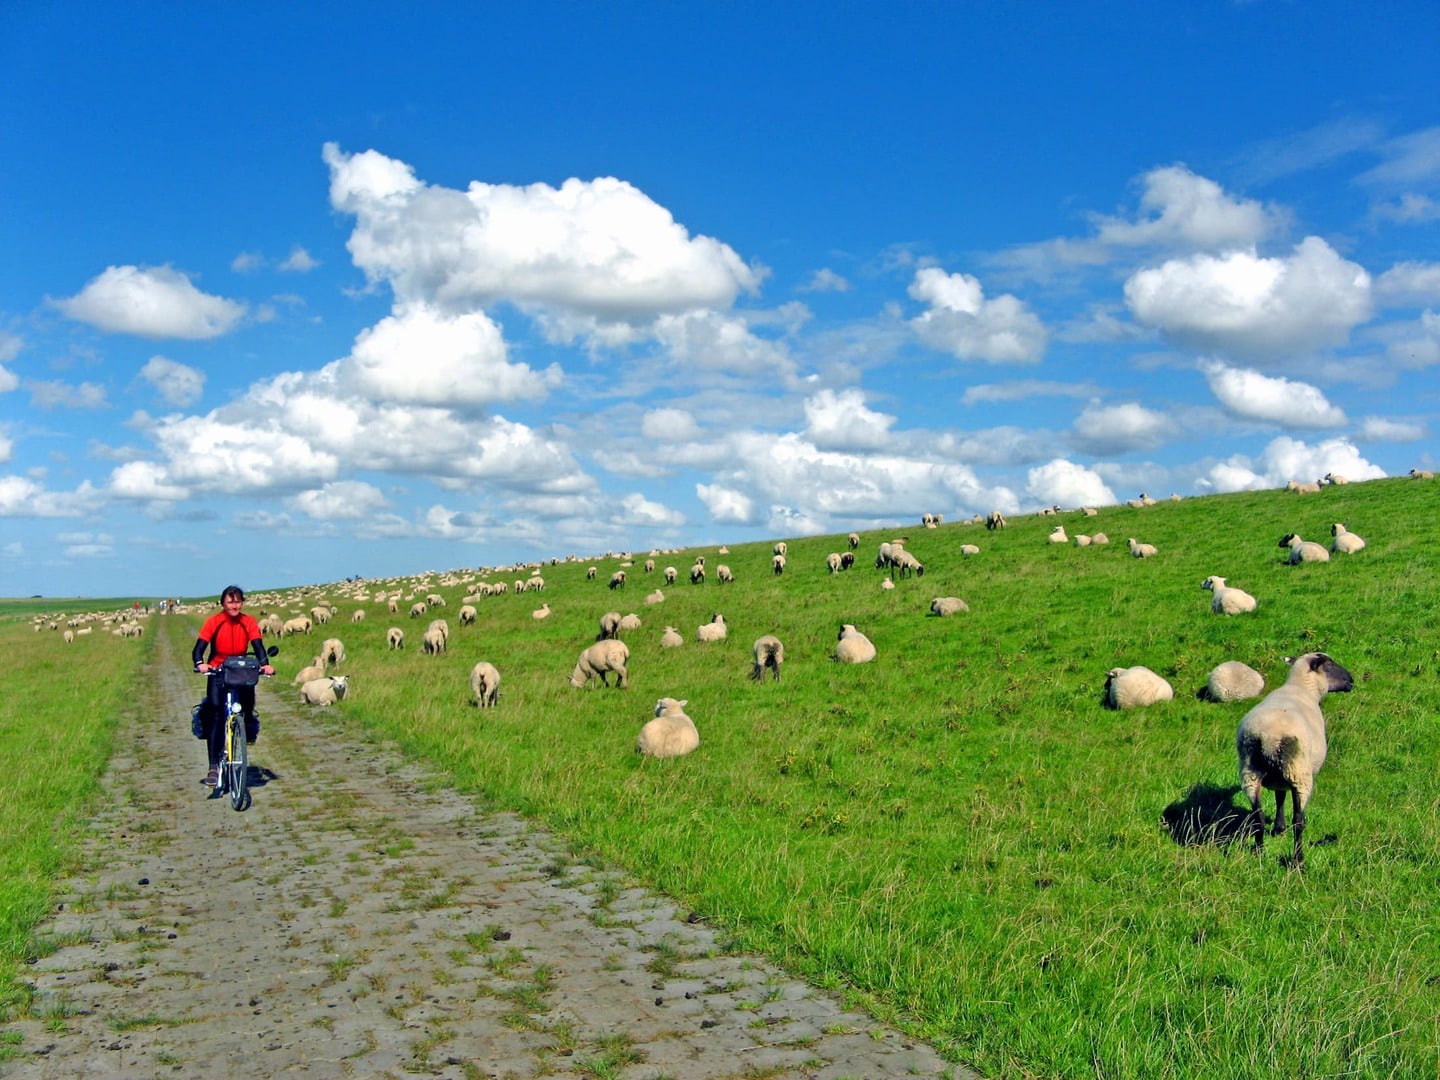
(241,671)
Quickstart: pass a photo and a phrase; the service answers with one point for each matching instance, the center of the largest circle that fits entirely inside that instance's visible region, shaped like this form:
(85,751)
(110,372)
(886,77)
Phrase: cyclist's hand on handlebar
(268,669)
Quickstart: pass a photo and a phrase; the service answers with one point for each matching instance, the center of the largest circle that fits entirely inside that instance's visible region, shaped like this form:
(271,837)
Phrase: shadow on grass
(1206,815)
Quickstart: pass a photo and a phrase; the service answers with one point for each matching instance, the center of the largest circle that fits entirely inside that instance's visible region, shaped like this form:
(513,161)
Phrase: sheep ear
(1318,661)
(684,702)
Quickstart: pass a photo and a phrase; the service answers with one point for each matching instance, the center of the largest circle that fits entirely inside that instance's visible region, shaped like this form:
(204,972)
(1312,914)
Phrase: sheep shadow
(1206,815)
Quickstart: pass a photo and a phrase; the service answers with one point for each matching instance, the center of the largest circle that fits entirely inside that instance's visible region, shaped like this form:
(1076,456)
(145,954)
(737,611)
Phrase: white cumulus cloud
(1118,429)
(179,384)
(1068,485)
(726,505)
(841,421)
(1286,459)
(962,322)
(341,500)
(669,425)
(1180,209)
(151,302)
(1252,396)
(1409,283)
(644,513)
(1380,429)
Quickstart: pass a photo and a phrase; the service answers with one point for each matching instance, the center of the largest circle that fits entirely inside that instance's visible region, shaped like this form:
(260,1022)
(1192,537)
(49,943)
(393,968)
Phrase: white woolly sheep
(671,733)
(609,625)
(994,520)
(1081,540)
(853,647)
(1233,681)
(947,605)
(326,691)
(1227,601)
(1307,488)
(1280,744)
(630,621)
(315,670)
(395,637)
(1127,688)
(1089,511)
(332,651)
(1421,474)
(1140,551)
(485,684)
(780,548)
(1303,550)
(847,560)
(358,616)
(853,540)
(671,638)
(832,562)
(542,612)
(723,576)
(906,563)
(887,584)
(777,563)
(617,579)
(599,660)
(697,573)
(769,653)
(670,575)
(468,614)
(298,625)
(433,642)
(969,549)
(1057,535)
(714,630)
(590,573)
(69,637)
(656,597)
(417,609)
(1345,542)
(1099,538)
(1333,478)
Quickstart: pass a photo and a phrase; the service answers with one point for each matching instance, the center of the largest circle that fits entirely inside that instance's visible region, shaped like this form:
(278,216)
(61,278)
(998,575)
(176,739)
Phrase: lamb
(1233,681)
(777,562)
(542,612)
(1057,535)
(1345,542)
(886,583)
(1227,601)
(656,597)
(599,660)
(832,562)
(332,652)
(1127,688)
(1140,551)
(609,626)
(395,638)
(769,653)
(434,641)
(617,579)
(947,605)
(1280,745)
(671,638)
(853,540)
(1303,550)
(853,647)
(723,575)
(327,691)
(671,733)
(670,575)
(714,630)
(484,684)
(316,670)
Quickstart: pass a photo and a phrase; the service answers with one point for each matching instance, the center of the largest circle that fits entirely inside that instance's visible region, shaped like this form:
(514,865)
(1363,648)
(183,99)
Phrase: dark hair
(232,590)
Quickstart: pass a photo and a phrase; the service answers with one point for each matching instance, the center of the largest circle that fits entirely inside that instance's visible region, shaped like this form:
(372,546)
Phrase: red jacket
(229,637)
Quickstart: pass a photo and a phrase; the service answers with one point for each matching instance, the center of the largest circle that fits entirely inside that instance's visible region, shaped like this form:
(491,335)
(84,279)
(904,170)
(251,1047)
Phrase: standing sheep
(714,630)
(1233,681)
(670,575)
(1303,550)
(853,647)
(1127,688)
(327,691)
(723,576)
(832,562)
(617,579)
(609,626)
(468,614)
(777,562)
(994,520)
(769,653)
(1280,744)
(1227,601)
(1345,542)
(485,684)
(671,733)
(395,637)
(697,573)
(853,540)
(781,548)
(332,652)
(434,641)
(599,660)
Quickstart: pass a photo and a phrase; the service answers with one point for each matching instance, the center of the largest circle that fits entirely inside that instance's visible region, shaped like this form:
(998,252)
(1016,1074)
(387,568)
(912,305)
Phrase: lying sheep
(1099,538)
(1127,688)
(1233,681)
(599,660)
(1081,540)
(1421,474)
(1303,550)
(1345,542)
(969,549)
(656,597)
(1057,535)
(542,612)
(769,653)
(853,647)
(1302,488)
(332,651)
(1333,478)
(1280,744)
(630,621)
(714,630)
(1140,551)
(1227,601)
(947,605)
(315,670)
(395,638)
(326,691)
(671,638)
(485,684)
(886,583)
(671,733)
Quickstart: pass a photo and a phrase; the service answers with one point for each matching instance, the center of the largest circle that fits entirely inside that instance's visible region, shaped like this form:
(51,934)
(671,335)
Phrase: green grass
(959,835)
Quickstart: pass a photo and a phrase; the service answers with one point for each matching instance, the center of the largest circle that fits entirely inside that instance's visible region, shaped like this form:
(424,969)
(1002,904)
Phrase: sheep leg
(624,682)
(1255,822)
(1298,859)
(1279,826)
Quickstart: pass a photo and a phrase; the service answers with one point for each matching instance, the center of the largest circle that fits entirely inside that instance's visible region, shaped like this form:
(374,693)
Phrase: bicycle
(234,768)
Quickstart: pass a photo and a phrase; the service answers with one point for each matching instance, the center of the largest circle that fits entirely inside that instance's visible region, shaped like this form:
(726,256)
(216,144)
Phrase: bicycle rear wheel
(239,764)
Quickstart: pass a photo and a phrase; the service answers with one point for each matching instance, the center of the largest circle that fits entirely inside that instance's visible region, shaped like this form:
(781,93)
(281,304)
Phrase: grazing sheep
(714,630)
(931,521)
(1421,474)
(994,520)
(468,614)
(599,660)
(1057,535)
(670,575)
(649,566)
(777,562)
(769,653)
(671,733)
(656,597)
(434,641)
(542,612)
(1233,681)
(484,684)
(832,562)
(853,540)
(1140,551)
(298,625)
(617,579)
(1127,688)
(1345,542)
(853,647)
(332,652)
(609,625)
(723,576)
(630,622)
(1303,550)
(1332,478)
(847,560)
(358,616)
(697,573)
(671,638)
(417,609)
(780,548)
(395,637)
(907,563)
(69,637)
(1227,601)
(947,605)
(326,691)
(1280,744)
(969,549)
(590,573)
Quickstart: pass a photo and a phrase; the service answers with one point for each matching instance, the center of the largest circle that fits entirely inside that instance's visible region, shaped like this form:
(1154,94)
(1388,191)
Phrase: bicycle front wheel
(239,783)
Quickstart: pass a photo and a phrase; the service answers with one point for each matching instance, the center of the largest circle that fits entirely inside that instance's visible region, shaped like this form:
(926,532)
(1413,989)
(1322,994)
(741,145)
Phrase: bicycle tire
(239,764)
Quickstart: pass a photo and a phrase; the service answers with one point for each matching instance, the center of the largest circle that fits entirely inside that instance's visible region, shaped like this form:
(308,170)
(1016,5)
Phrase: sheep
(777,563)
(649,566)
(1089,511)
(542,612)
(590,573)
(1099,538)
(1303,488)
(468,614)
(1227,601)
(671,638)
(832,562)
(994,520)
(670,575)
(1345,542)
(609,625)
(435,600)
(1421,474)
(69,637)
(697,573)
(1280,745)
(298,625)
(320,614)
(1127,688)
(433,642)
(1081,540)
(1303,550)
(332,652)
(714,630)
(769,653)
(417,609)
(853,647)
(630,622)
(392,605)
(484,684)
(780,548)
(326,691)
(358,616)
(1232,681)
(969,549)
(853,540)
(395,637)
(617,579)
(887,584)
(1333,479)
(656,597)
(1057,535)
(1140,551)
(671,733)
(847,560)
(907,563)
(315,670)
(884,555)
(599,660)
(723,576)
(931,521)
(947,605)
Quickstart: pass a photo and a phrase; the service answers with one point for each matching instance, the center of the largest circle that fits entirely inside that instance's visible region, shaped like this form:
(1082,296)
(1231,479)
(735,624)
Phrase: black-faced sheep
(1334,478)
(780,548)
(847,560)
(1057,535)
(1227,601)
(433,642)
(777,563)
(853,647)
(325,691)
(416,610)
(853,540)
(1303,550)
(697,573)
(906,563)
(670,575)
(1281,744)
(468,614)
(769,653)
(1128,688)
(1345,542)
(1421,474)
(485,684)
(723,576)
(599,660)
(994,520)
(671,733)
(617,579)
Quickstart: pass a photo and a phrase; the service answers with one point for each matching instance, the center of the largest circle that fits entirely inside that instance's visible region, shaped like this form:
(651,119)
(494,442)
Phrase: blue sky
(291,296)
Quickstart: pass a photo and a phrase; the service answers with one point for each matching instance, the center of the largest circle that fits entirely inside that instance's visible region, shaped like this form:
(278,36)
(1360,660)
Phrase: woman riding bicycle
(229,632)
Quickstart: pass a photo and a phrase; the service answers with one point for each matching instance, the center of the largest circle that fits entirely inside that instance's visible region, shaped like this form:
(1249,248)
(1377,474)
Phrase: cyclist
(229,632)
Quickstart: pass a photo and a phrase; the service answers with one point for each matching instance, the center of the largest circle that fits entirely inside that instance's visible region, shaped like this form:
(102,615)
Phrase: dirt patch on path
(361,920)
